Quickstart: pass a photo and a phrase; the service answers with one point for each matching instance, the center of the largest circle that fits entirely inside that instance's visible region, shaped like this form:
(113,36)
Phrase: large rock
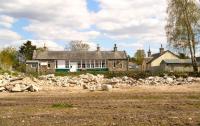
(92,88)
(17,88)
(107,87)
(2,89)
(3,83)
(98,87)
(169,80)
(1,77)
(190,79)
(33,88)
(151,78)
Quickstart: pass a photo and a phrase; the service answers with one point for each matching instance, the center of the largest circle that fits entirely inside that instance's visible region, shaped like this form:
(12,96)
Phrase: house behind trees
(167,61)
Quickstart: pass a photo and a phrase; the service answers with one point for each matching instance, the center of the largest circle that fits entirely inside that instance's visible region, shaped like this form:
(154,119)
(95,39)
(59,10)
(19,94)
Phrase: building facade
(73,61)
(178,65)
(153,61)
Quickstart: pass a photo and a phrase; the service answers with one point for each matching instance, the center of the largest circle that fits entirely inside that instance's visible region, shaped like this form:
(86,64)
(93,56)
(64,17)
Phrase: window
(97,63)
(34,65)
(49,65)
(79,64)
(103,63)
(66,64)
(114,63)
(118,64)
(83,64)
(92,63)
(87,63)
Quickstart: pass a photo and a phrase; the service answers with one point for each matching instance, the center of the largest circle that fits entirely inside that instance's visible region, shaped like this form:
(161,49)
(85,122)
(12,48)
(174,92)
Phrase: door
(73,66)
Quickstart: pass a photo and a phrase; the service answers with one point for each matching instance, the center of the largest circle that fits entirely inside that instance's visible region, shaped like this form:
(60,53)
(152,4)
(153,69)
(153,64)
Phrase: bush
(62,105)
(20,67)
(132,74)
(33,74)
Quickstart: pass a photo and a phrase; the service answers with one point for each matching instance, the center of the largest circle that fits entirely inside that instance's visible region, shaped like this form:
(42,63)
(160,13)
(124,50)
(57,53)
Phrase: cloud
(6,21)
(60,19)
(125,19)
(135,22)
(8,35)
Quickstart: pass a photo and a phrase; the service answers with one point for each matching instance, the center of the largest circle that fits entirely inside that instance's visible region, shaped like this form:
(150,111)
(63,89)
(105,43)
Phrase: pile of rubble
(86,81)
(92,82)
(17,84)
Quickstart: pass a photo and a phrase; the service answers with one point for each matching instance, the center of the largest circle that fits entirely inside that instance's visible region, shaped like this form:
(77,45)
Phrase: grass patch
(193,97)
(62,105)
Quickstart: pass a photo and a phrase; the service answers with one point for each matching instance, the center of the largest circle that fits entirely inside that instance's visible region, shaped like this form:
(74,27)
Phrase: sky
(131,24)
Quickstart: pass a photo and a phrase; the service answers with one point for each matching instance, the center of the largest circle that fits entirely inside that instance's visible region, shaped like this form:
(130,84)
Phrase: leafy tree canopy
(27,50)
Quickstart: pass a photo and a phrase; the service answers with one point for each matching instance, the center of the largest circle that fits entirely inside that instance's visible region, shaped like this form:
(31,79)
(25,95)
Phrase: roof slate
(179,61)
(78,55)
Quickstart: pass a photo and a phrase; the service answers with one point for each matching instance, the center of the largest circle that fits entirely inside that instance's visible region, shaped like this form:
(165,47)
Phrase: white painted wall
(61,64)
(167,55)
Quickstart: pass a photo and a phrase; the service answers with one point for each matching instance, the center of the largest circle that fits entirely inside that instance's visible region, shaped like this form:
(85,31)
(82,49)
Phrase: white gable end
(167,55)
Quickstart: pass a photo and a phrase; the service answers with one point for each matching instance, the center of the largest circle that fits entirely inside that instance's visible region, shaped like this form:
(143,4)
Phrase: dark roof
(156,55)
(78,55)
(178,61)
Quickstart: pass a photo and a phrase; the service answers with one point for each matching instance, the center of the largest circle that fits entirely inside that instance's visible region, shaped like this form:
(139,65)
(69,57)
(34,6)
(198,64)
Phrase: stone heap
(86,81)
(98,82)
(17,84)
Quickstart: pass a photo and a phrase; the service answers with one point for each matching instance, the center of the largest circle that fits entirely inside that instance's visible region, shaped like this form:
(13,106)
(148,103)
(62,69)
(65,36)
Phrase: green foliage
(62,105)
(33,74)
(79,73)
(20,67)
(132,74)
(183,56)
(8,58)
(139,56)
(27,50)
(2,71)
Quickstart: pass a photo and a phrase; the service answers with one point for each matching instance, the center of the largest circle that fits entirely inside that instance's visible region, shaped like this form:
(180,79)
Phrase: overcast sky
(131,24)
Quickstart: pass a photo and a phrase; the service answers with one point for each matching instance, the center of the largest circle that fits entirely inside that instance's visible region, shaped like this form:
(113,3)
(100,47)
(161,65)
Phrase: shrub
(62,105)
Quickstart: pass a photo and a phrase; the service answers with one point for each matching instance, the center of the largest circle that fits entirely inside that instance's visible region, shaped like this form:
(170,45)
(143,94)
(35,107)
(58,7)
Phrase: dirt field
(177,105)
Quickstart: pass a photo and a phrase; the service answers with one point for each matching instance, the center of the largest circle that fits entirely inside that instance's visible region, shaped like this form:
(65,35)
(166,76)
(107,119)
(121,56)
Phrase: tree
(8,58)
(139,56)
(27,50)
(78,45)
(182,27)
(183,56)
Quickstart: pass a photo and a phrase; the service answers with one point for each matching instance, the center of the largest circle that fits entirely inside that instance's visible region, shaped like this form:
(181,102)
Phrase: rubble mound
(86,81)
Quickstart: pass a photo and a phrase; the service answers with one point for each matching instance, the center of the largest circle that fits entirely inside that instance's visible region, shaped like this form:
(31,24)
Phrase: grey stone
(33,88)
(107,87)
(17,88)
(2,89)
(190,79)
(92,88)
(169,80)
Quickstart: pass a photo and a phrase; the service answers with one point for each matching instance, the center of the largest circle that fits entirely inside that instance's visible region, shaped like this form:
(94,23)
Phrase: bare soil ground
(143,105)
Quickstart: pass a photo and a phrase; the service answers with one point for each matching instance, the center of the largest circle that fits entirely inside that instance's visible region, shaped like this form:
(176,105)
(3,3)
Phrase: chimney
(98,47)
(45,48)
(149,52)
(162,49)
(115,47)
